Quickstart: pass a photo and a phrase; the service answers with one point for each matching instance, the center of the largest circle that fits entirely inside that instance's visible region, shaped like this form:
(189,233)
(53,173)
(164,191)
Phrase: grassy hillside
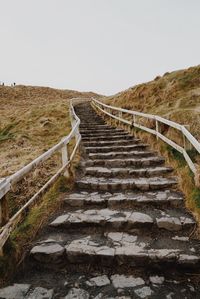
(175,96)
(32,120)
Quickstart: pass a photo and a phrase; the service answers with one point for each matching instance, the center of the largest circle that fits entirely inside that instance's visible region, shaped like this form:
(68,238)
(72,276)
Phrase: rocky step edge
(117,184)
(110,138)
(104,286)
(165,198)
(122,155)
(104,134)
(106,149)
(173,220)
(101,131)
(117,250)
(127,171)
(117,162)
(110,142)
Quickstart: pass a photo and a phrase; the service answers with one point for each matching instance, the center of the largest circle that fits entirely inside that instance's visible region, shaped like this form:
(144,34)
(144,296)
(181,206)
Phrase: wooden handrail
(8,224)
(108,110)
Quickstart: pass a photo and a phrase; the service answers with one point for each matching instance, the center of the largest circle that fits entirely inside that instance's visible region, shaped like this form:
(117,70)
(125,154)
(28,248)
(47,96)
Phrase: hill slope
(32,120)
(175,96)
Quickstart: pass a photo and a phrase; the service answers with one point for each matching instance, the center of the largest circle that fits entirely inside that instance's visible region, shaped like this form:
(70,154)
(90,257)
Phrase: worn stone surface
(103,217)
(99,281)
(115,184)
(169,223)
(41,293)
(156,279)
(154,198)
(47,252)
(144,292)
(116,219)
(16,291)
(76,293)
(122,281)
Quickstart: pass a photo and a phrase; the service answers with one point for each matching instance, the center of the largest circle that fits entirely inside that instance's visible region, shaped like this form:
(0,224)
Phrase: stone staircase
(124,231)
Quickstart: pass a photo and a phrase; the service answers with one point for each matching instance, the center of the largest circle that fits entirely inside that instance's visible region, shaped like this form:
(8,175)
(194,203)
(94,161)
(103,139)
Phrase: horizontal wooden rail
(8,224)
(116,113)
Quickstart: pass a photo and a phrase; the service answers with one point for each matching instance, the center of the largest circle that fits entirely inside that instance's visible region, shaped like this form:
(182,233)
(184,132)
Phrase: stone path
(124,231)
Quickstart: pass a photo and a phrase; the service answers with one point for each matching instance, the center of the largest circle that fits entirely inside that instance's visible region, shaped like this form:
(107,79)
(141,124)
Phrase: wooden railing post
(120,116)
(157,129)
(186,143)
(65,158)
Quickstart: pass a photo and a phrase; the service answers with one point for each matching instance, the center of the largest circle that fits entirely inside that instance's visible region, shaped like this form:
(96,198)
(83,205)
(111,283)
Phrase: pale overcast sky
(100,45)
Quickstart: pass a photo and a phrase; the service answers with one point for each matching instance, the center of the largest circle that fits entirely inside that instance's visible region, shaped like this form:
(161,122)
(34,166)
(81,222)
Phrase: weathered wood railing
(133,119)
(8,224)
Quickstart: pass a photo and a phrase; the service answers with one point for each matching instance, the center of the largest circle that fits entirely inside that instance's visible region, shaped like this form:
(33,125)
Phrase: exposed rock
(156,279)
(184,239)
(75,293)
(41,293)
(144,292)
(169,223)
(99,281)
(136,217)
(48,252)
(122,281)
(17,291)
(188,259)
(60,220)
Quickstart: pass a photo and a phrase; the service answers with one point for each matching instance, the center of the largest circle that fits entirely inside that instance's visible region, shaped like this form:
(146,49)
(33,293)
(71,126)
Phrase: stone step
(25,291)
(110,143)
(119,249)
(106,149)
(106,130)
(113,155)
(126,220)
(131,199)
(127,172)
(94,126)
(110,138)
(116,184)
(104,134)
(137,162)
(101,128)
(101,285)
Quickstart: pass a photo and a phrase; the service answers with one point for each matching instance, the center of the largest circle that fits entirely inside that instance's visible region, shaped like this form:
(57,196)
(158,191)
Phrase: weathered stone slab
(169,223)
(140,218)
(152,198)
(116,184)
(41,293)
(48,252)
(122,281)
(157,279)
(99,281)
(17,291)
(144,292)
(76,293)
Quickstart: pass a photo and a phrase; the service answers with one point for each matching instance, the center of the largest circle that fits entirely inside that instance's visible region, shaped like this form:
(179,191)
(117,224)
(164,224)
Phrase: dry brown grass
(175,96)
(33,119)
(36,118)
